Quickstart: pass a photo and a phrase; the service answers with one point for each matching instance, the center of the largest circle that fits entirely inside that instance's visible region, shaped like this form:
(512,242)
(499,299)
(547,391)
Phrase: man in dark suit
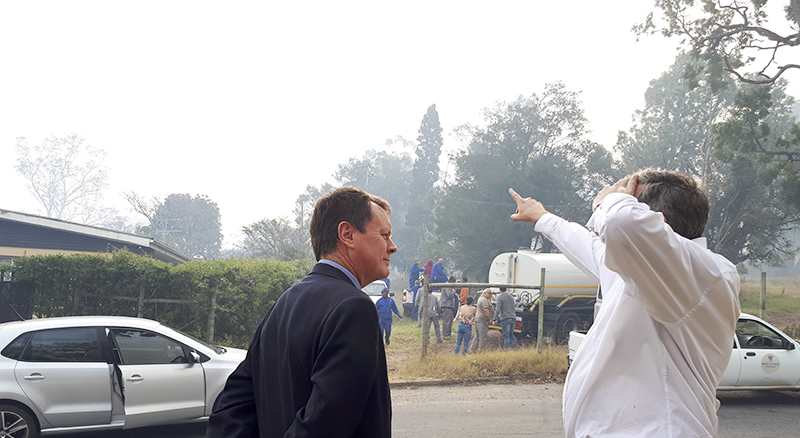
(317,366)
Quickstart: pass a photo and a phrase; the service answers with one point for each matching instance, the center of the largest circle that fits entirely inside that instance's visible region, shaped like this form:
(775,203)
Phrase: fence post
(425,325)
(763,294)
(140,313)
(212,314)
(542,299)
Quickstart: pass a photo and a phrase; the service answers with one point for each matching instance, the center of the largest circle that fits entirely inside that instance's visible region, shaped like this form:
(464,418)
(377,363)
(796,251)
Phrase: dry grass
(783,300)
(405,362)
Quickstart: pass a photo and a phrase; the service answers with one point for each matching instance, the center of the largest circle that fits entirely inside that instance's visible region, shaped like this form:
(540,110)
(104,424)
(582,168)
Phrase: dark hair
(345,204)
(469,301)
(678,197)
(452,279)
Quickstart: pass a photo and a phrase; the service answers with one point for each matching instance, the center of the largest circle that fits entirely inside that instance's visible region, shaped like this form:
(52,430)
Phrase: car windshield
(374,289)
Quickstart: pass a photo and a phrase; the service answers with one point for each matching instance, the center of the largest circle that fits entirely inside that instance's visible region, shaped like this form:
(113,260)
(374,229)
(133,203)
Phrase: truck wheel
(568,322)
(17,422)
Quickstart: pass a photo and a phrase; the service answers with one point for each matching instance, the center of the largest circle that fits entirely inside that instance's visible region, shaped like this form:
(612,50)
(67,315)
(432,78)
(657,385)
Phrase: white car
(763,357)
(374,290)
(102,373)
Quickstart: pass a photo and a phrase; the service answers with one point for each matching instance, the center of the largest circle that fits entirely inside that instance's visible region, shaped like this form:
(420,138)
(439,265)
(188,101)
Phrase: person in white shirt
(652,360)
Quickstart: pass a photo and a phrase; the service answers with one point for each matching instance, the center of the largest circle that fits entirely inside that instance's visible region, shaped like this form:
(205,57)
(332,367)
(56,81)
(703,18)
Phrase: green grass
(783,295)
(782,301)
(750,300)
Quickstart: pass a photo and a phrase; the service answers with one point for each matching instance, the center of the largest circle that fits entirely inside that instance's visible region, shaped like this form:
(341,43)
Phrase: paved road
(526,410)
(477,411)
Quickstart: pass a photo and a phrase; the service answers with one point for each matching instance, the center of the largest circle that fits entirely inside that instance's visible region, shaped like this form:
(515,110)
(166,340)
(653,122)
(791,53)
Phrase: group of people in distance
(649,365)
(454,306)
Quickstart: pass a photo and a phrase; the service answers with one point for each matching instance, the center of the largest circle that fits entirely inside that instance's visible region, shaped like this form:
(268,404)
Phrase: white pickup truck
(575,341)
(762,357)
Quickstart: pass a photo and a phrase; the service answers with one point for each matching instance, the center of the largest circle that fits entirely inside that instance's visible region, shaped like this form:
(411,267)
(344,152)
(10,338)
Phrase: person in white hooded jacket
(652,360)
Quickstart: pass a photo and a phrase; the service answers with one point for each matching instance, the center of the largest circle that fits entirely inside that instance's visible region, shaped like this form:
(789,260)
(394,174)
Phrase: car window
(16,347)
(79,344)
(753,334)
(139,347)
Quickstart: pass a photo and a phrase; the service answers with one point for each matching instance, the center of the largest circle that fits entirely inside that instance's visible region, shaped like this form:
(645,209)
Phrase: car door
(65,373)
(161,382)
(768,359)
(731,375)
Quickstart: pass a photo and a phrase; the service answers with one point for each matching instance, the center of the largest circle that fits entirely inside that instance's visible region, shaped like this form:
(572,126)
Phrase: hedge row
(240,292)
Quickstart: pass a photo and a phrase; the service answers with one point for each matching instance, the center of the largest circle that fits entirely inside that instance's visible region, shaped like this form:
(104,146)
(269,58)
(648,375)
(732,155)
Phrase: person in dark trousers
(414,273)
(466,319)
(386,306)
(448,302)
(317,365)
(414,304)
(506,313)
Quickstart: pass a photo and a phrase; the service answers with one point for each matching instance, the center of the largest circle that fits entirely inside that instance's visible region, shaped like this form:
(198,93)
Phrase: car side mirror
(391,294)
(790,345)
(195,357)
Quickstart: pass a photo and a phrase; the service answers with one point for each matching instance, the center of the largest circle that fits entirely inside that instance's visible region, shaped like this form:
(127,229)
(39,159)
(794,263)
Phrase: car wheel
(568,322)
(17,422)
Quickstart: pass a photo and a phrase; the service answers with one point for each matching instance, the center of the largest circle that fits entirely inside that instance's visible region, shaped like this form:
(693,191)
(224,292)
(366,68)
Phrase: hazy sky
(248,102)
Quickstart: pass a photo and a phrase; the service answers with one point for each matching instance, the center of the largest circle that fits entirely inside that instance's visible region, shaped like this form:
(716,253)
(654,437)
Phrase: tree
(418,223)
(766,191)
(428,149)
(381,173)
(730,36)
(304,205)
(276,239)
(535,144)
(66,177)
(190,224)
(711,136)
(673,130)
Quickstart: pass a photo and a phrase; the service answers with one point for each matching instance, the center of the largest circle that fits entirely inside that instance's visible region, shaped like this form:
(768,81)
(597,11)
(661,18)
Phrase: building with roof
(24,234)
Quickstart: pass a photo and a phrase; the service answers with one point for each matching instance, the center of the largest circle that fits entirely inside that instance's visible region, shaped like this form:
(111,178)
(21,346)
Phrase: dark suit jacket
(316,367)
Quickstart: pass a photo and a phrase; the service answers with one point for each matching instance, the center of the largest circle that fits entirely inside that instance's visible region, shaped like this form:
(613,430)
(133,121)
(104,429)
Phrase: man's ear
(346,233)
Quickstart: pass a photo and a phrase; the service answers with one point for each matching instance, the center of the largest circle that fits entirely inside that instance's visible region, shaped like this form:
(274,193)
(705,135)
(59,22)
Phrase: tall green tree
(189,224)
(425,173)
(713,136)
(428,150)
(418,219)
(746,38)
(673,130)
(535,144)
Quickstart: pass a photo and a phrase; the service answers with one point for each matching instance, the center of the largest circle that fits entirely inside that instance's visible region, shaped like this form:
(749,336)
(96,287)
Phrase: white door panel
(162,392)
(68,393)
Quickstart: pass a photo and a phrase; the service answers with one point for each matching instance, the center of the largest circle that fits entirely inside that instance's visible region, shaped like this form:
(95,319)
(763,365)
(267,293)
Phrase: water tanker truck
(570,294)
